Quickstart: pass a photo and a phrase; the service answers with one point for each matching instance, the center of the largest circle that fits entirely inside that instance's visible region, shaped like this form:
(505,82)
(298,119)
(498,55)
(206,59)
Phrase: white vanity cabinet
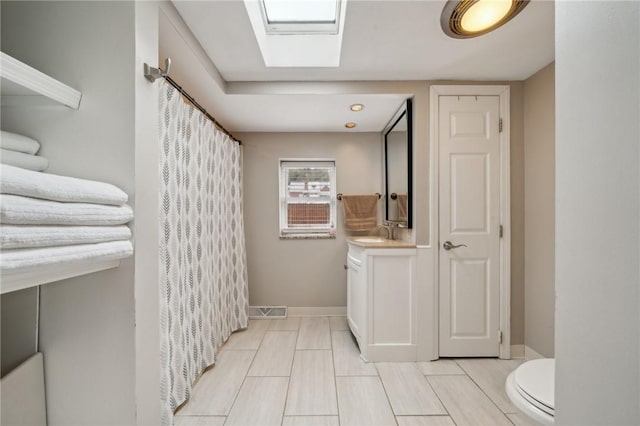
(381,299)
(356,282)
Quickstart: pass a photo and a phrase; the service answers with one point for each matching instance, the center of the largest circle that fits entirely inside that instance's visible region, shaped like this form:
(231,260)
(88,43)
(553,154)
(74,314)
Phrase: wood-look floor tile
(275,355)
(521,419)
(491,375)
(424,421)
(312,388)
(216,390)
(199,420)
(260,402)
(408,390)
(346,356)
(338,323)
(465,402)
(314,333)
(287,324)
(440,367)
(362,401)
(248,339)
(310,421)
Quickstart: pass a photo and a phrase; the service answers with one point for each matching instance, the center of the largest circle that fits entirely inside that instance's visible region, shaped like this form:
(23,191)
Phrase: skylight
(301,16)
(285,11)
(298,33)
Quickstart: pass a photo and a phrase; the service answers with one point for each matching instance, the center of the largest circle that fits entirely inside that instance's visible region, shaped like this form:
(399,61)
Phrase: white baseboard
(517,351)
(531,354)
(317,311)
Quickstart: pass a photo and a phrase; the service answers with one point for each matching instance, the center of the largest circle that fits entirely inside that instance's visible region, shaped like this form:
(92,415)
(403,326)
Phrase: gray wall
(301,273)
(597,210)
(19,320)
(539,224)
(517,213)
(86,323)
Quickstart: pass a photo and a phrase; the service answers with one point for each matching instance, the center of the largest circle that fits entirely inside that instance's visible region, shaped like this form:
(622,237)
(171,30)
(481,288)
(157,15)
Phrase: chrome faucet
(390,226)
(389,231)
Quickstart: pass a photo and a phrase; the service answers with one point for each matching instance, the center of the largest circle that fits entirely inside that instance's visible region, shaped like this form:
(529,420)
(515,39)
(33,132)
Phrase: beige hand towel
(402,207)
(360,212)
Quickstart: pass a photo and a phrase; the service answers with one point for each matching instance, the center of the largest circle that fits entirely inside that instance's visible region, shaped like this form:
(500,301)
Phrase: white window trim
(317,231)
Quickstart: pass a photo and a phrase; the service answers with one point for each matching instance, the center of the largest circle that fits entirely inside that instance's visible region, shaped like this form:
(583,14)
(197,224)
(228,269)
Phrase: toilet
(531,388)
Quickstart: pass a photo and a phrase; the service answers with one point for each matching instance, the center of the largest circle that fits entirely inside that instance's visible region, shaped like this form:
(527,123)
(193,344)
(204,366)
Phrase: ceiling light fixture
(357,107)
(350,125)
(471,18)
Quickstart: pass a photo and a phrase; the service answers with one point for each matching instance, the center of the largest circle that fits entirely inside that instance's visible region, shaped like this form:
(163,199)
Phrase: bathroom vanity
(381,298)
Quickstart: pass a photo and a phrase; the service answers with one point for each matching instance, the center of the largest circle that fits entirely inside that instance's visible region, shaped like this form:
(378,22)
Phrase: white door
(469,176)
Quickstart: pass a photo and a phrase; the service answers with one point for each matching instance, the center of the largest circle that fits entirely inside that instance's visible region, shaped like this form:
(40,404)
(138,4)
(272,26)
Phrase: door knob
(448,245)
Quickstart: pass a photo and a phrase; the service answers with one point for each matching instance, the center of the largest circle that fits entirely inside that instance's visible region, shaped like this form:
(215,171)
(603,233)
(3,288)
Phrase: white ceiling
(383,40)
(317,113)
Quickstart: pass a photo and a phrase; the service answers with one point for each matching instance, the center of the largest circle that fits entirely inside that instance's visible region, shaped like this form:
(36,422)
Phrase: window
(313,29)
(306,11)
(307,198)
(301,16)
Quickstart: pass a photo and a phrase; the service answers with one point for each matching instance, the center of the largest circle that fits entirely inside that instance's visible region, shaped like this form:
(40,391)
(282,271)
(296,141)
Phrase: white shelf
(38,276)
(19,79)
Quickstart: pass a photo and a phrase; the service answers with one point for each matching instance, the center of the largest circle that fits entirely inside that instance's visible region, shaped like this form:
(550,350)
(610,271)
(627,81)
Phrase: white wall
(147,223)
(597,213)
(87,322)
(301,273)
(539,218)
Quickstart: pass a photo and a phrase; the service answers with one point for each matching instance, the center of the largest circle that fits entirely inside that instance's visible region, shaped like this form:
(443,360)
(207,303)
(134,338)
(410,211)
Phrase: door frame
(503,92)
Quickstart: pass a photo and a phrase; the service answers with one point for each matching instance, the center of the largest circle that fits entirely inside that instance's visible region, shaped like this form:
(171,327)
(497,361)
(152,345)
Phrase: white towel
(17,181)
(21,259)
(25,161)
(17,210)
(19,143)
(30,236)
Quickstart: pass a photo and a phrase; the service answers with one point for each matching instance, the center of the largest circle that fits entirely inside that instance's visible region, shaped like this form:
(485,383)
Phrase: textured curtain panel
(204,292)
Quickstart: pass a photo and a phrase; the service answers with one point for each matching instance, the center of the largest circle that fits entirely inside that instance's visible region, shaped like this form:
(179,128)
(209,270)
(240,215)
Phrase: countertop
(386,244)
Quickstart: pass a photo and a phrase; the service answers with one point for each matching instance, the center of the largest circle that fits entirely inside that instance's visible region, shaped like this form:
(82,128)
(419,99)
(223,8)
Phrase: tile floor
(307,371)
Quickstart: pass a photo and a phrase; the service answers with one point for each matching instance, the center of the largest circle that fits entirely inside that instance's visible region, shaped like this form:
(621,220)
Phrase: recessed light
(350,125)
(357,107)
(471,18)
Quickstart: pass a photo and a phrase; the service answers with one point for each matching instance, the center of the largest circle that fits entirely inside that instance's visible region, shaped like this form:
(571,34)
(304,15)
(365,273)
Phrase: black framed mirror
(398,161)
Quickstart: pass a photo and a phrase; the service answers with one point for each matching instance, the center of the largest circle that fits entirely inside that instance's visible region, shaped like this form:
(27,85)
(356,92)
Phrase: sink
(370,240)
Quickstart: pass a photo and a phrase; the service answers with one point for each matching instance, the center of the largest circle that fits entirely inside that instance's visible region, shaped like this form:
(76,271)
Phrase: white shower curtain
(204,293)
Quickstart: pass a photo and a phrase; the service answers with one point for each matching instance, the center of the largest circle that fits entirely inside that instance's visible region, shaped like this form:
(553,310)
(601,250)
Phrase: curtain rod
(152,74)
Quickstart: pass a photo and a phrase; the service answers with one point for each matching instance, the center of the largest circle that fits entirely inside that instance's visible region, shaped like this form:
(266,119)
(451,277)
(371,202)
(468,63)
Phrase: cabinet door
(355,295)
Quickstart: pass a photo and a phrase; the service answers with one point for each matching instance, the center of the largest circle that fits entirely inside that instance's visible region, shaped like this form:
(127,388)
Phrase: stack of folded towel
(56,220)
(20,151)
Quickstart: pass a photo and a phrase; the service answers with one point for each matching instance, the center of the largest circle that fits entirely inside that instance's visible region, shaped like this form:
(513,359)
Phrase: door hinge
(501,231)
(500,337)
(500,126)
